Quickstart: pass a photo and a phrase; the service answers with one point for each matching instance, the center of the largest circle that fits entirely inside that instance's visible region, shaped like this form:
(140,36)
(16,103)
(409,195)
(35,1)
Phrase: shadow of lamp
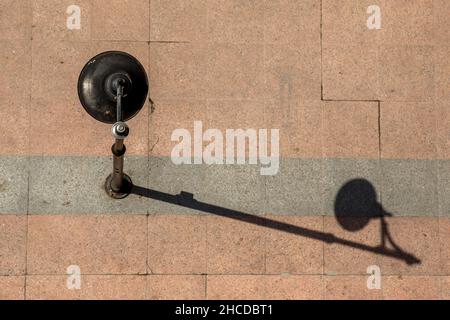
(112,88)
(357,199)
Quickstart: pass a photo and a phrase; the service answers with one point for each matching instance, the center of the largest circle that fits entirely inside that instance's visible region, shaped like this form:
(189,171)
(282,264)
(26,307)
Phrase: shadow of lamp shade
(356,204)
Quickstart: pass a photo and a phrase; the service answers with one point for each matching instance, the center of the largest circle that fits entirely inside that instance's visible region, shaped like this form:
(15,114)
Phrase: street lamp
(112,88)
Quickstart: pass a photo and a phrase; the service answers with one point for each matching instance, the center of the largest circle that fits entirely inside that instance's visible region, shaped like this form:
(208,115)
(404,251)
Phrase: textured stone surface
(350,68)
(441,33)
(230,287)
(120,20)
(443,129)
(444,188)
(235,21)
(350,130)
(170,180)
(180,20)
(407,22)
(389,64)
(15,93)
(418,120)
(444,239)
(348,259)
(291,21)
(355,69)
(93,287)
(13,233)
(234,187)
(76,185)
(302,186)
(234,247)
(445,290)
(176,287)
(300,125)
(292,71)
(13,185)
(162,123)
(441,69)
(273,287)
(406,73)
(177,244)
(96,244)
(12,288)
(290,287)
(411,288)
(291,252)
(409,187)
(50,19)
(418,236)
(15,19)
(344,22)
(297,189)
(350,288)
(235,71)
(178,71)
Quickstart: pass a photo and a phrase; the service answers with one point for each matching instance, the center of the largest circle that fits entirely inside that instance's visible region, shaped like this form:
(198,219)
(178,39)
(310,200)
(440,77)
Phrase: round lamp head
(98,82)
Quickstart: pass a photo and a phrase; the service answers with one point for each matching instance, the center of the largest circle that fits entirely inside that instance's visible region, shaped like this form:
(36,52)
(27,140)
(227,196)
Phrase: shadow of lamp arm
(187,200)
